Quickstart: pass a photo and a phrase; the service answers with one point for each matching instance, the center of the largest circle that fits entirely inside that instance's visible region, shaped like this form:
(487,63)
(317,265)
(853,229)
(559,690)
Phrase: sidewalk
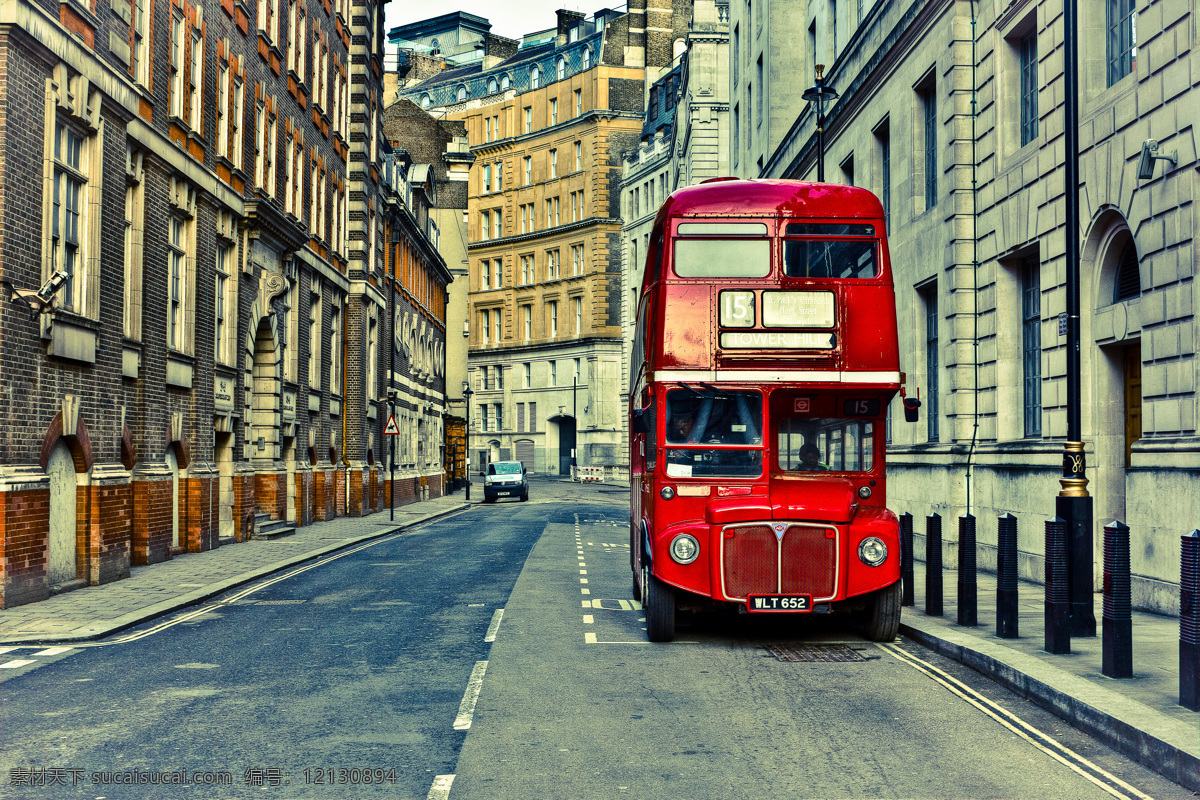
(1139,717)
(151,591)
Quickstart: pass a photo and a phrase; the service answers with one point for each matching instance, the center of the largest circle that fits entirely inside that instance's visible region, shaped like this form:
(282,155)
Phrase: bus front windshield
(819,444)
(720,432)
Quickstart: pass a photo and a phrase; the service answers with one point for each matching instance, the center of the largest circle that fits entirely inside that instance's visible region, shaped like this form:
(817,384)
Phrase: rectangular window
(1029,88)
(220,300)
(883,139)
(1121,46)
(235,123)
(497,224)
(527,323)
(487,129)
(553,111)
(499,326)
(222,110)
(67,211)
(1031,343)
(314,338)
(131,314)
(528,119)
(578,303)
(485,225)
(554,373)
(576,259)
(578,102)
(140,50)
(930,297)
(335,349)
(498,276)
(556,211)
(528,170)
(552,310)
(487,178)
(177,282)
(485,275)
(196,83)
(553,163)
(526,375)
(928,95)
(486,321)
(499,417)
(552,273)
(177,65)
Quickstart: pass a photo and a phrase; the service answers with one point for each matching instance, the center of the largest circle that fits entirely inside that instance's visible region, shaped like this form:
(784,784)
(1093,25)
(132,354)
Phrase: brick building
(210,180)
(549,126)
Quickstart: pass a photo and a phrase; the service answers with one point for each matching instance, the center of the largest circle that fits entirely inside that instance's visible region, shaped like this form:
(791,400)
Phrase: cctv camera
(1146,163)
(50,287)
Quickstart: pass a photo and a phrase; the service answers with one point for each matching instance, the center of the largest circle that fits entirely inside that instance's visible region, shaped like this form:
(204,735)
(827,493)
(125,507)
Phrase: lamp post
(467,435)
(819,94)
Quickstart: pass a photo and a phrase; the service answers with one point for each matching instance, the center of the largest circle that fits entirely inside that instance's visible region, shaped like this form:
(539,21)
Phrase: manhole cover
(279,602)
(814,652)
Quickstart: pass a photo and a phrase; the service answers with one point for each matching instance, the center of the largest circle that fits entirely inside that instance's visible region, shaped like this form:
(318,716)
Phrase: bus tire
(883,614)
(659,606)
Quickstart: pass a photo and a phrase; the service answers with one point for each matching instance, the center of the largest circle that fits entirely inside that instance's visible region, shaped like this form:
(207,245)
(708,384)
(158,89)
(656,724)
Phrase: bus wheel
(659,605)
(883,614)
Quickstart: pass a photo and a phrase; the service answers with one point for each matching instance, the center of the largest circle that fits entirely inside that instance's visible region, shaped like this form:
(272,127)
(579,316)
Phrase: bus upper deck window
(720,256)
(827,257)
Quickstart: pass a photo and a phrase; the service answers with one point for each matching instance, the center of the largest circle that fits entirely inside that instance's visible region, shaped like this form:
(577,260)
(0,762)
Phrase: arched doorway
(61,552)
(262,403)
(1116,363)
(173,466)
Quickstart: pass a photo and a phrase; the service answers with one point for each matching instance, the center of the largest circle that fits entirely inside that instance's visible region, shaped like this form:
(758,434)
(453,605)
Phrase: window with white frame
(553,373)
(578,304)
(178,42)
(499,170)
(140,51)
(576,259)
(535,77)
(527,374)
(335,347)
(497,224)
(222,109)
(561,68)
(485,225)
(235,122)
(527,322)
(485,275)
(314,336)
(485,319)
(526,270)
(498,276)
(177,283)
(195,84)
(553,110)
(528,170)
(552,273)
(499,327)
(487,178)
(68,223)
(552,317)
(578,102)
(221,305)
(554,163)
(578,156)
(528,119)
(134,228)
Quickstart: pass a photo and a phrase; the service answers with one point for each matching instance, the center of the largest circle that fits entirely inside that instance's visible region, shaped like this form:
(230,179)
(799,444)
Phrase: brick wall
(24,522)
(151,521)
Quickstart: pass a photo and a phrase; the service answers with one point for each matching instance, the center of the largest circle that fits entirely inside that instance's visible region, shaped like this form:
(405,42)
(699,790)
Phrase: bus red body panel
(764,360)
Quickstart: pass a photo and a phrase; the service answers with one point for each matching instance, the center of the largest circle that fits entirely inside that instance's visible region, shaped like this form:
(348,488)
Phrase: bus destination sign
(764,340)
(798,309)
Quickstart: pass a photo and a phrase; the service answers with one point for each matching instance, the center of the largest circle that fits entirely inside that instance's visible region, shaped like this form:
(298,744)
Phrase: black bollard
(1189,622)
(1058,592)
(1006,578)
(906,559)
(933,565)
(968,587)
(1117,623)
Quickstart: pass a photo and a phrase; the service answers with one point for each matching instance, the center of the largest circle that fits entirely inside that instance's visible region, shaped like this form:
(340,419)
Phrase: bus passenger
(810,458)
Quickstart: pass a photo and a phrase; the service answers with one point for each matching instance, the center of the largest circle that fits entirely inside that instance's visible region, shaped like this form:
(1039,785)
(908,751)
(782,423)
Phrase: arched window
(505,82)
(586,56)
(426,102)
(1128,284)
(562,68)
(460,93)
(492,86)
(535,77)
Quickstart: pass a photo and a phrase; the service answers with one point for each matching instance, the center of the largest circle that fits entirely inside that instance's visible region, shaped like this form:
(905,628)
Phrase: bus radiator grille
(751,561)
(809,562)
(752,558)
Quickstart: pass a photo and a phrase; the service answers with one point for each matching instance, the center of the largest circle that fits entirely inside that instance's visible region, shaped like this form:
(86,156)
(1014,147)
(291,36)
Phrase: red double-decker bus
(764,359)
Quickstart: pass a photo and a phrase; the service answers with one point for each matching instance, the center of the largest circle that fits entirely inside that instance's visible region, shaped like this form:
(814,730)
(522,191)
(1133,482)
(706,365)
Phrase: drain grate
(279,602)
(814,652)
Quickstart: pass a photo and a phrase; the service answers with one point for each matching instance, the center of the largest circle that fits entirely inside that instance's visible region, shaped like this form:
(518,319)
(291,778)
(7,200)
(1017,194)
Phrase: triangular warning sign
(391,429)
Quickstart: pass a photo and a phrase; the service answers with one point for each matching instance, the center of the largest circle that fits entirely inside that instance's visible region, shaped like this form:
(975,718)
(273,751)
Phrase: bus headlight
(667,493)
(872,551)
(864,492)
(685,549)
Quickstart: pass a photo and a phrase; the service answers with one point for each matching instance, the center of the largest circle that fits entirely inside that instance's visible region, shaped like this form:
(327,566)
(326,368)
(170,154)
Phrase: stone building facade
(209,179)
(549,128)
(961,135)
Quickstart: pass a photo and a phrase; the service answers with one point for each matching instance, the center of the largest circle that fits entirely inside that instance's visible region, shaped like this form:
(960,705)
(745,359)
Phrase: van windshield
(513,468)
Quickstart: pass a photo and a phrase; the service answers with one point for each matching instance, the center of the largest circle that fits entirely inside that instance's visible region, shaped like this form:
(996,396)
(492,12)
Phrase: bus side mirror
(911,406)
(639,421)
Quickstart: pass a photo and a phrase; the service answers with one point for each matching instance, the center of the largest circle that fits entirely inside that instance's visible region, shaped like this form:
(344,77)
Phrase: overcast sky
(511,18)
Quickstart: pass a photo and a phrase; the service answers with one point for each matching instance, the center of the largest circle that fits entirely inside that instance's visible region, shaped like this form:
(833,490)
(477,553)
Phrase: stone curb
(1158,742)
(213,589)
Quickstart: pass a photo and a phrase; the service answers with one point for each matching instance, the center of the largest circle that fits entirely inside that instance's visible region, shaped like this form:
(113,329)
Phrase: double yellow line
(1056,750)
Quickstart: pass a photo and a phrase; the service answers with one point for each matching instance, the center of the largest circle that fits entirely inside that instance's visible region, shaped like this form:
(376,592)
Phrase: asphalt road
(380,666)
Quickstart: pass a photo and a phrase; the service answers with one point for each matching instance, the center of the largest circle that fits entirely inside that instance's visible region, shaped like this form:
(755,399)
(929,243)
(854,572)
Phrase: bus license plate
(766,603)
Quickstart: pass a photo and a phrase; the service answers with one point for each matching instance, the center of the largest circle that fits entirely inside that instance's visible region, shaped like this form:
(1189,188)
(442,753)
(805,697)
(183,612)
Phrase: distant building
(549,127)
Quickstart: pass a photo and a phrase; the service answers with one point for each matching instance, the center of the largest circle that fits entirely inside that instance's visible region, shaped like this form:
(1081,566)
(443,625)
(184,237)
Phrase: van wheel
(659,605)
(524,497)
(883,614)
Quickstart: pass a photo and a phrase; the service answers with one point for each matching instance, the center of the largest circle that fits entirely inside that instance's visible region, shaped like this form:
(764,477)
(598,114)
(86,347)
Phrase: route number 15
(737,309)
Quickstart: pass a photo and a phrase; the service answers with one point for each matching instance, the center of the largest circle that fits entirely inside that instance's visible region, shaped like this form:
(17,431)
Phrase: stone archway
(1111,361)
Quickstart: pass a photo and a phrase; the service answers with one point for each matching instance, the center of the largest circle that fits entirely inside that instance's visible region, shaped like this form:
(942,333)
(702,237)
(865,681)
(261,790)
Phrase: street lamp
(467,434)
(820,94)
